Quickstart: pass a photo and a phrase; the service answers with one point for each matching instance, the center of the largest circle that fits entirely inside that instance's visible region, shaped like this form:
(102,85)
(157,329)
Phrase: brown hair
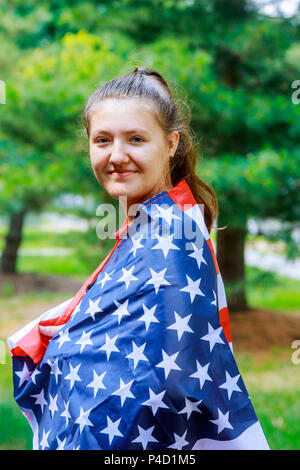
(148,84)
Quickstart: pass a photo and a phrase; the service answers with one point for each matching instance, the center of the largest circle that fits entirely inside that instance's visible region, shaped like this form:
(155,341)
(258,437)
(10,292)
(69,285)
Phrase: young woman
(141,357)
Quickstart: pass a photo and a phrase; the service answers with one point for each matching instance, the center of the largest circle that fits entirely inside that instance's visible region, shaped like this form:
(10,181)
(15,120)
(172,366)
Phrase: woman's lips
(122,174)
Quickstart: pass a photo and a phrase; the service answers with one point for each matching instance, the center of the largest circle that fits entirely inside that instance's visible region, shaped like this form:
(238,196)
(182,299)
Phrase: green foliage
(234,66)
(260,185)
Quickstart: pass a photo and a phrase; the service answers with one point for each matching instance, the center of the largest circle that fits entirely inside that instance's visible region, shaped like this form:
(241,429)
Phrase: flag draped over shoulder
(144,359)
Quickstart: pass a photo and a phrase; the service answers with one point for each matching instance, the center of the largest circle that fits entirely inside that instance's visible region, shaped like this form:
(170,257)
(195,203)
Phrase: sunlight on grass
(274,388)
(269,290)
(15,432)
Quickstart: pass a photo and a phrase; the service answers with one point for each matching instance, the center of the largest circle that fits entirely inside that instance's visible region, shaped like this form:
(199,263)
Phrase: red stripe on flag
(224,321)
(18,352)
(182,195)
(34,344)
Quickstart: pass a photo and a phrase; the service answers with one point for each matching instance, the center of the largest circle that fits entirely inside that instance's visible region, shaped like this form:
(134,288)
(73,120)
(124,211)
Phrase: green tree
(42,150)
(234,65)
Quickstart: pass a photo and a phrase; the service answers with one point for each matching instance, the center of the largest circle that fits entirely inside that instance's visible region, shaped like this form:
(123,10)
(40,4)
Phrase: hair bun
(142,71)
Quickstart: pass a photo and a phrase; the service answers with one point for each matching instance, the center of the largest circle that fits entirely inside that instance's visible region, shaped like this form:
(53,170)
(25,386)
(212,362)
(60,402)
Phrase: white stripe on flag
(251,439)
(54,312)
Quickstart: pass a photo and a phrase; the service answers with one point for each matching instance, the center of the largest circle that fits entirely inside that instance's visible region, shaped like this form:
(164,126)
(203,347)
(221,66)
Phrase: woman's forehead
(124,115)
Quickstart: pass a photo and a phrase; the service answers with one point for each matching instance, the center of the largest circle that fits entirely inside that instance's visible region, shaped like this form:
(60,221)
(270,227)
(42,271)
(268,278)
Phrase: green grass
(15,432)
(57,265)
(87,253)
(274,389)
(269,290)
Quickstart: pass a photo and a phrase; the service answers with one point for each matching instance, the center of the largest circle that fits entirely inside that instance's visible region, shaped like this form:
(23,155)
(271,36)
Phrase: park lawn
(15,432)
(269,290)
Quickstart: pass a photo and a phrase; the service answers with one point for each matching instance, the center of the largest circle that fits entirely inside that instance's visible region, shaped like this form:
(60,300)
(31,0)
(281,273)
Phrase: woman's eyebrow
(129,131)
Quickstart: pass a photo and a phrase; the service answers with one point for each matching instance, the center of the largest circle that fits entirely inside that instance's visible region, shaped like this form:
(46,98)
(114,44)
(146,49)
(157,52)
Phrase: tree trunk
(230,255)
(13,241)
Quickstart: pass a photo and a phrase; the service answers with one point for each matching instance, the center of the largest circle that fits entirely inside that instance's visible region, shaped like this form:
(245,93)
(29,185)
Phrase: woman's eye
(100,140)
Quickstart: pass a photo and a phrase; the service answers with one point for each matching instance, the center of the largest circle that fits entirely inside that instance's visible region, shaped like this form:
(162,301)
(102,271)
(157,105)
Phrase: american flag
(144,359)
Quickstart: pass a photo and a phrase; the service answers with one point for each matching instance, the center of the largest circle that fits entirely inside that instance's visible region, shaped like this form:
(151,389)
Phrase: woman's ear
(173,141)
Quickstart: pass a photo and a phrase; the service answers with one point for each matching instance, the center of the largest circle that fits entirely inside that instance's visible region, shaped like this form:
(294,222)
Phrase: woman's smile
(121,173)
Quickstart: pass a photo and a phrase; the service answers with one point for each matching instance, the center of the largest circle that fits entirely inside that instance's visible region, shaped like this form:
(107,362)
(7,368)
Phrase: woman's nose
(118,154)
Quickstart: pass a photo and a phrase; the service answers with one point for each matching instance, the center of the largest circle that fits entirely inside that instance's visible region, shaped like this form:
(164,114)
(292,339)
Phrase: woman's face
(128,150)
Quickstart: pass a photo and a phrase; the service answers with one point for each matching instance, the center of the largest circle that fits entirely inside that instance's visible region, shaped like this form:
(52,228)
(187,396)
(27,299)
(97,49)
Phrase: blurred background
(236,63)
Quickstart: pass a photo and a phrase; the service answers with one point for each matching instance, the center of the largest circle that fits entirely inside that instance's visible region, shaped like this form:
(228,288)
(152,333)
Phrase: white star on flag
(166,214)
(93,308)
(55,369)
(145,436)
(97,382)
(213,336)
(65,414)
(84,340)
(214,302)
(168,363)
(127,276)
(231,384)
(155,401)
(222,422)
(40,399)
(24,374)
(112,429)
(63,337)
(124,391)
(165,244)
(76,310)
(180,441)
(104,279)
(148,316)
(198,255)
(190,406)
(157,279)
(61,444)
(136,244)
(137,354)
(192,288)
(121,310)
(83,419)
(34,375)
(201,374)
(44,442)
(53,404)
(73,376)
(180,325)
(109,345)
